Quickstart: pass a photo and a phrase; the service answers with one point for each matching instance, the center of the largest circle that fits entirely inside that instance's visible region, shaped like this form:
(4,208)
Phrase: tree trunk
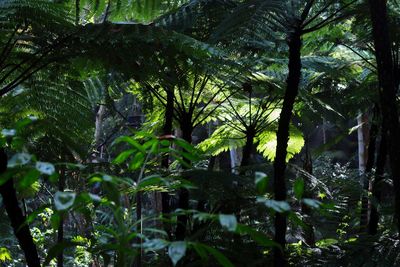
(167,130)
(183,195)
(387,90)
(361,143)
(99,125)
(247,152)
(17,219)
(377,185)
(282,136)
(138,259)
(365,176)
(234,161)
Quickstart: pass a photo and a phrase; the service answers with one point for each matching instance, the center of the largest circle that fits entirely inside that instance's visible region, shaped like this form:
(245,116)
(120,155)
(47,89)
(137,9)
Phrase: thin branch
(212,111)
(307,9)
(316,15)
(328,20)
(361,56)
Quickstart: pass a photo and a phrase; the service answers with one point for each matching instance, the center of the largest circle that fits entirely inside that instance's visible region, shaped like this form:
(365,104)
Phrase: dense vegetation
(199,133)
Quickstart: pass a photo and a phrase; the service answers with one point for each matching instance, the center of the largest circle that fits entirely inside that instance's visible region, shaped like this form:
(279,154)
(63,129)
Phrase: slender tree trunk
(17,219)
(99,125)
(247,152)
(233,155)
(183,195)
(138,259)
(167,130)
(282,135)
(368,168)
(387,90)
(361,143)
(377,185)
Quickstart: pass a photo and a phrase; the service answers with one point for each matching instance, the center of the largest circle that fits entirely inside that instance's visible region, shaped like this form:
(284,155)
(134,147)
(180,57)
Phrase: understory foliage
(199,133)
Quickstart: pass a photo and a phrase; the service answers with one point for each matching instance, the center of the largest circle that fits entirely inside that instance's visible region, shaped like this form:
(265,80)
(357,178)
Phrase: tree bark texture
(247,151)
(282,135)
(377,185)
(368,169)
(183,194)
(17,219)
(387,91)
(167,130)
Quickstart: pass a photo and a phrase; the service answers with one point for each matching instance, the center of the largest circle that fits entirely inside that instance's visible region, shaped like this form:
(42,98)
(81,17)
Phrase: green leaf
(257,236)
(222,260)
(298,188)
(313,203)
(323,243)
(123,156)
(267,143)
(130,141)
(137,161)
(261,180)
(278,206)
(150,180)
(45,168)
(64,200)
(228,221)
(176,251)
(57,249)
(155,244)
(55,220)
(29,178)
(183,144)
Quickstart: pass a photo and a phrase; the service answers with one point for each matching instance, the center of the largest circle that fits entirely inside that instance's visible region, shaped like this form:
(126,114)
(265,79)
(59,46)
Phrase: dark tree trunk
(167,130)
(183,195)
(247,152)
(138,259)
(282,135)
(377,185)
(387,90)
(60,232)
(17,219)
(368,168)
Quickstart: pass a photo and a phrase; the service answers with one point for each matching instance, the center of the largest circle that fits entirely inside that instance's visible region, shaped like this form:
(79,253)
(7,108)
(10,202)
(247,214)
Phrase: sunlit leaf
(5,254)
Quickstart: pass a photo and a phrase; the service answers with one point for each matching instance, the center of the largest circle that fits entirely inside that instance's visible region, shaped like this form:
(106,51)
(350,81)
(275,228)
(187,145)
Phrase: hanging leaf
(298,188)
(64,200)
(123,156)
(155,244)
(278,206)
(228,221)
(261,180)
(313,203)
(176,251)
